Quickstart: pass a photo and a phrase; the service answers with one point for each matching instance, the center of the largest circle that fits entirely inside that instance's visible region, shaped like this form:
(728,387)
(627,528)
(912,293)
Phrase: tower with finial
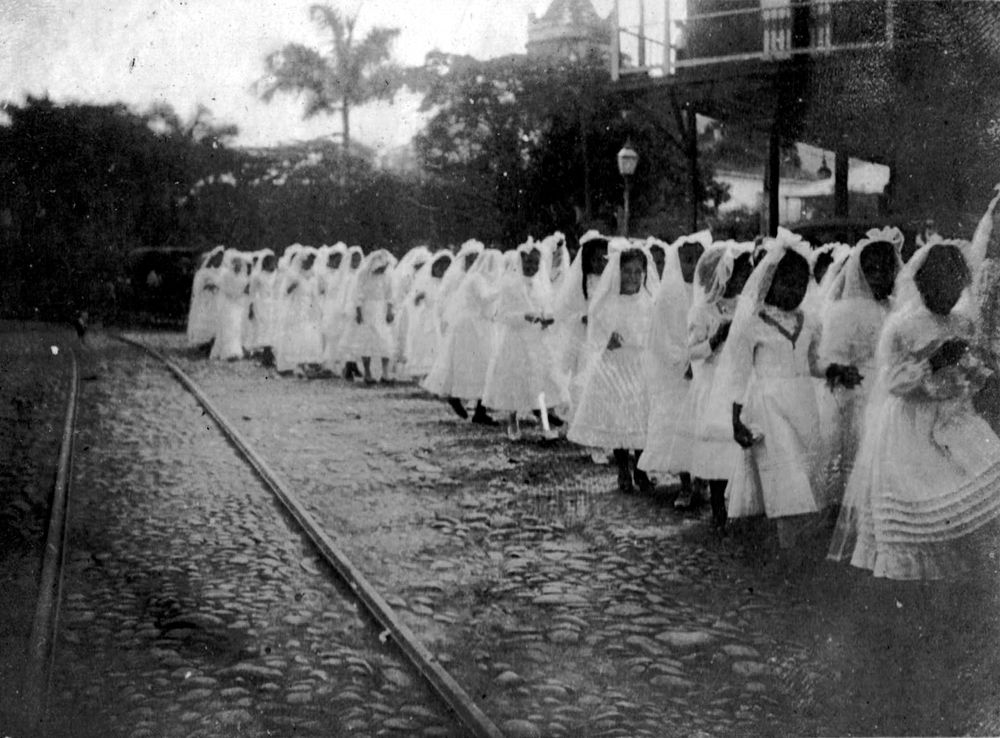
(569,30)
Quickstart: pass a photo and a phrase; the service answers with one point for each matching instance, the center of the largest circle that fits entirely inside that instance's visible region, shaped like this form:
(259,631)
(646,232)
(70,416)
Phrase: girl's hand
(419,298)
(741,434)
(615,342)
(720,336)
(948,354)
(843,375)
(389,315)
(584,320)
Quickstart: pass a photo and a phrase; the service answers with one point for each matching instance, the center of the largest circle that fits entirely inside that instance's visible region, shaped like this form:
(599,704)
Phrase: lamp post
(628,159)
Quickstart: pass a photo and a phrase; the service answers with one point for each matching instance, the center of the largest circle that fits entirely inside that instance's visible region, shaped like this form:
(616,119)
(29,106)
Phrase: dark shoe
(458,407)
(645,484)
(689,499)
(481,417)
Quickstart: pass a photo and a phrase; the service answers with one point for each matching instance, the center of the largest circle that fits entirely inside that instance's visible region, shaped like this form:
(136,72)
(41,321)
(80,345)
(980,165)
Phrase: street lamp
(628,159)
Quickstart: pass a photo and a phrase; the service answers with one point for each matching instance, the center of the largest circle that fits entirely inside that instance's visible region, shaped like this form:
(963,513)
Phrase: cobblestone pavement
(562,606)
(570,609)
(190,607)
(33,387)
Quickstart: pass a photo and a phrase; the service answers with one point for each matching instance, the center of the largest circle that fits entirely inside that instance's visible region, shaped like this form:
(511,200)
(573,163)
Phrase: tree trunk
(345,119)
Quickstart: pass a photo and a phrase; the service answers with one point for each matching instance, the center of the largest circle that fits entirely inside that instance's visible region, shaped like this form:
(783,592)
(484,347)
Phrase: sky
(186,52)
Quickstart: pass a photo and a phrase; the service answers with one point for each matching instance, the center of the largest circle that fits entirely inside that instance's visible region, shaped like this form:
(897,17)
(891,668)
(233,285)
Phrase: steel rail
(41,646)
(429,667)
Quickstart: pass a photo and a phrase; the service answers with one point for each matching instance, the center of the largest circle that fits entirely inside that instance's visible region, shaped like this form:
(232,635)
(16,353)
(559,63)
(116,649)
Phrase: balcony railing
(745,30)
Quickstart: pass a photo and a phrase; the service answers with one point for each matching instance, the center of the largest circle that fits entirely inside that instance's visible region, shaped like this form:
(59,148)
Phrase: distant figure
(80,323)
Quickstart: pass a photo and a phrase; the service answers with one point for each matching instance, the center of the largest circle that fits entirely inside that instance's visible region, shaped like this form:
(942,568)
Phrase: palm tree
(347,74)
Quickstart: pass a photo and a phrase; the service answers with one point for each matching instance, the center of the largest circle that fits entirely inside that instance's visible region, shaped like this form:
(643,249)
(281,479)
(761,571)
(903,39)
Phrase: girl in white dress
(571,306)
(766,376)
(424,330)
(924,495)
(202,313)
(403,276)
(369,335)
(614,404)
(852,322)
(264,301)
(518,373)
(300,344)
(333,273)
(459,371)
(719,278)
(555,263)
(669,364)
(345,314)
(231,308)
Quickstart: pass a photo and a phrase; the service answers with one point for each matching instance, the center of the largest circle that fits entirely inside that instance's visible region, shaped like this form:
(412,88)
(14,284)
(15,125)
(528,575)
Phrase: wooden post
(616,49)
(668,44)
(642,35)
(773,180)
(841,195)
(692,145)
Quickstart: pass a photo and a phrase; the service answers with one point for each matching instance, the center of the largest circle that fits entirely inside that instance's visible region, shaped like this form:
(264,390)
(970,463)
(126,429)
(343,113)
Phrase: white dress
(299,341)
(231,307)
(713,452)
(423,330)
(468,345)
(519,369)
(614,404)
(667,359)
(264,299)
(851,331)
(927,478)
(202,313)
(773,355)
(372,337)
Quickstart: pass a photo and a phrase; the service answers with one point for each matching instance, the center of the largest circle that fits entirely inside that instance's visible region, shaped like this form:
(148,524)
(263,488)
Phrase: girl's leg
(513,428)
(642,479)
(458,407)
(688,499)
(385,368)
(624,462)
(717,491)
(366,362)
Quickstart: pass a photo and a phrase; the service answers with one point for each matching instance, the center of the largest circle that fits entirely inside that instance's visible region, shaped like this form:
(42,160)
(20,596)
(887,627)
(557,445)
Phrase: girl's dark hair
(944,261)
(822,263)
(589,249)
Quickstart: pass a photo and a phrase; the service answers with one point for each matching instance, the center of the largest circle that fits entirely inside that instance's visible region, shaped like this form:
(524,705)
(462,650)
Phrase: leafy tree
(348,74)
(535,144)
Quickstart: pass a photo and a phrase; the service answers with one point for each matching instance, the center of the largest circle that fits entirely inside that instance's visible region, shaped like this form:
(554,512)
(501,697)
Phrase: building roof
(572,12)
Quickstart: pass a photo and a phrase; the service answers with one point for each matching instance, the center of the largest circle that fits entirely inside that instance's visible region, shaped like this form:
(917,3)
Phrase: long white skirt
(300,341)
(422,340)
(229,336)
(668,434)
(614,404)
(461,365)
(714,452)
(781,473)
(372,337)
(925,483)
(519,371)
(201,318)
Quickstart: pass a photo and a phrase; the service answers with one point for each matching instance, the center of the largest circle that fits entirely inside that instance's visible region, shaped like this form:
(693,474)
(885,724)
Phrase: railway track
(458,703)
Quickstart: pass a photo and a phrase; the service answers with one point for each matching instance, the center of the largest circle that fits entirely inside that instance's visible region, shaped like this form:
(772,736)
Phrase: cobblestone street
(563,607)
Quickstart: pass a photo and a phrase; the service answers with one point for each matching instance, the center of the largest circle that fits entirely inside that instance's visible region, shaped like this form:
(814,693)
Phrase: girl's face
(470,259)
(355,260)
(530,261)
(689,253)
(269,263)
(791,280)
(659,259)
(556,259)
(597,259)
(878,262)
(633,274)
(942,278)
(307,262)
(380,269)
(742,268)
(216,260)
(823,262)
(237,266)
(439,267)
(335,260)
(418,265)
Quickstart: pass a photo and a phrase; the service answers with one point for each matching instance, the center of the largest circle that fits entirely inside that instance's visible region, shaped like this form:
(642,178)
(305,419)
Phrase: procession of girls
(773,378)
